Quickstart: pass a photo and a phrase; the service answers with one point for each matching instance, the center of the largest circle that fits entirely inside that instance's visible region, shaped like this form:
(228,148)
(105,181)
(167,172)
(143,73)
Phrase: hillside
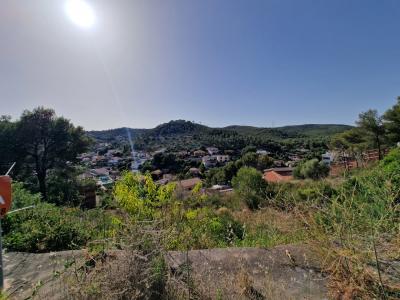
(115,134)
(292,131)
(178,128)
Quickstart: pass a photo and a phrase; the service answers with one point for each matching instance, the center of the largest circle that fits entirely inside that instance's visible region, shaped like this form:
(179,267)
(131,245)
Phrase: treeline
(45,148)
(373,131)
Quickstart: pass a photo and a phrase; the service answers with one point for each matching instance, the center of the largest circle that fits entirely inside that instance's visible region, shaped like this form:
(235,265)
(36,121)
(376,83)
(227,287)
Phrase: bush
(312,169)
(304,193)
(250,185)
(187,224)
(202,228)
(50,228)
(22,197)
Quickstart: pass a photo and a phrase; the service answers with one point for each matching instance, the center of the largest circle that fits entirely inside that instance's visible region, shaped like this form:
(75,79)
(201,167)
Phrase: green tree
(141,196)
(8,145)
(48,143)
(250,159)
(249,184)
(372,123)
(392,122)
(264,162)
(312,169)
(352,141)
(248,149)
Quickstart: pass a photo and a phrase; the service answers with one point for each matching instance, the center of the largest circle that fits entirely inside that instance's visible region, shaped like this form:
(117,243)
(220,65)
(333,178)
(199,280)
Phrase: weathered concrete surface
(283,272)
(29,275)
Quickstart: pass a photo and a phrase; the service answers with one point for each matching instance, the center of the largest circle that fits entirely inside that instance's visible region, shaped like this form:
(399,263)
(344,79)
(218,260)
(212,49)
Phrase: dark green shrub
(312,169)
(250,185)
(50,228)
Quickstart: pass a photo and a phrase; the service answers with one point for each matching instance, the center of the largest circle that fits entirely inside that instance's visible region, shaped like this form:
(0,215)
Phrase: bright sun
(80,13)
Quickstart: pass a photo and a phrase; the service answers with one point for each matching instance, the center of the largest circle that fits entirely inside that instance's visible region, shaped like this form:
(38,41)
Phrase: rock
(27,274)
(283,272)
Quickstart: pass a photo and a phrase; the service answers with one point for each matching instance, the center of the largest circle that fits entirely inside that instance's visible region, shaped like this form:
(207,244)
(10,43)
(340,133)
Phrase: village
(106,162)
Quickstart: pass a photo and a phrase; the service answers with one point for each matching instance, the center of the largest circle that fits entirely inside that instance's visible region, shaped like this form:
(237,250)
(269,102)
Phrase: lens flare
(80,13)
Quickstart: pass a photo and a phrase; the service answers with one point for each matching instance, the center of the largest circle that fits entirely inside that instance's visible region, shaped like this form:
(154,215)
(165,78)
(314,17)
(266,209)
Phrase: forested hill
(115,134)
(292,131)
(179,128)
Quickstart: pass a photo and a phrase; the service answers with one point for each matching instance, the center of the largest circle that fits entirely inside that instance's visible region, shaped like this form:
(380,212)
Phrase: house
(219,189)
(212,150)
(279,163)
(291,163)
(199,153)
(222,158)
(209,161)
(100,172)
(278,174)
(189,184)
(327,158)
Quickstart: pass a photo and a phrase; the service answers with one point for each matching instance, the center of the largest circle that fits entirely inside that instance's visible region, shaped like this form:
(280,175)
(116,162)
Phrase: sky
(217,62)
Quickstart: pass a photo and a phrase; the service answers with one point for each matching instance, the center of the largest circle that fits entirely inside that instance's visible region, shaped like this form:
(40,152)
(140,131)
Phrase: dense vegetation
(185,135)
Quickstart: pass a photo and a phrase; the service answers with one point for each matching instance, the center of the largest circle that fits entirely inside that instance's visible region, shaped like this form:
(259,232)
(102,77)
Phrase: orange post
(5,205)
(5,195)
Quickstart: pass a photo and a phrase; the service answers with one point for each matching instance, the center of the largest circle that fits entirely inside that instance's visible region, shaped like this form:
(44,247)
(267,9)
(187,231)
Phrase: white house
(222,158)
(327,158)
(212,150)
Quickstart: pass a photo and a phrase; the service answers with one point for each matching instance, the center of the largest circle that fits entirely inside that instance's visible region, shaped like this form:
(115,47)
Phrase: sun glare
(80,13)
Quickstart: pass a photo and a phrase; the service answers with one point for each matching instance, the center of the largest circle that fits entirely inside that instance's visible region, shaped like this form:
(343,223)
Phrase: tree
(312,169)
(264,162)
(250,159)
(248,149)
(372,123)
(249,184)
(392,122)
(48,143)
(351,141)
(8,145)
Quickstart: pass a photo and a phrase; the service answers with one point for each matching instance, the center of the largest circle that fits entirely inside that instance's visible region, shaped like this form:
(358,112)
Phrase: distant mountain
(178,127)
(115,134)
(186,129)
(292,131)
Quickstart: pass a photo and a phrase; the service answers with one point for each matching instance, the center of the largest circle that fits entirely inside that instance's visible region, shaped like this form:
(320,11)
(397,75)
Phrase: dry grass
(270,227)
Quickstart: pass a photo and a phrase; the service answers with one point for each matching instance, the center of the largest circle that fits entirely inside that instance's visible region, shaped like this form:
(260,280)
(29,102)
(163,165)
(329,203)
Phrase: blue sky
(218,62)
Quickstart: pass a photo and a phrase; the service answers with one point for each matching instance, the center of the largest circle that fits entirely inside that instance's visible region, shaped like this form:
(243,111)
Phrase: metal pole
(9,170)
(19,209)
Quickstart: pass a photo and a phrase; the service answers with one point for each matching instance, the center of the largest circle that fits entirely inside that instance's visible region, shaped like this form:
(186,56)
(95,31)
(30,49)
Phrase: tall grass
(353,233)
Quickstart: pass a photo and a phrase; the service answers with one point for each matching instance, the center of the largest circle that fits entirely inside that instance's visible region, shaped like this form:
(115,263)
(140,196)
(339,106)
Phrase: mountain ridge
(183,127)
